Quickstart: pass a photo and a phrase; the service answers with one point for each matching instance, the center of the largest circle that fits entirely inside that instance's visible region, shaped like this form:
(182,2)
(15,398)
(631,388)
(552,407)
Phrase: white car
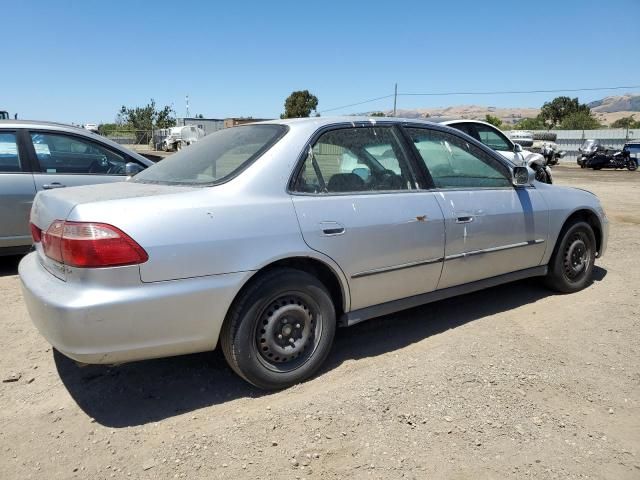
(495,139)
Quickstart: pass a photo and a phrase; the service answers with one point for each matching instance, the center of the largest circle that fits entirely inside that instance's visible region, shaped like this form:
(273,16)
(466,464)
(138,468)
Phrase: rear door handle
(467,219)
(332,228)
(52,185)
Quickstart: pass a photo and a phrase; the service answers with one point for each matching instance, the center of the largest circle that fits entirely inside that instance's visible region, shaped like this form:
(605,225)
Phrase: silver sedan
(264,238)
(36,156)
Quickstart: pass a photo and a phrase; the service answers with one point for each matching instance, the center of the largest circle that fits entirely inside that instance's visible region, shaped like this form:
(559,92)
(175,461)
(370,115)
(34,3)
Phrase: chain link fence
(134,139)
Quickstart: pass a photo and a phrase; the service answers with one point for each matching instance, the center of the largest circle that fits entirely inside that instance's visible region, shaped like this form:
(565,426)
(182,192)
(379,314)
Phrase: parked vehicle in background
(611,159)
(92,127)
(551,152)
(4,115)
(495,139)
(36,156)
(522,137)
(632,149)
(259,239)
(588,148)
(178,137)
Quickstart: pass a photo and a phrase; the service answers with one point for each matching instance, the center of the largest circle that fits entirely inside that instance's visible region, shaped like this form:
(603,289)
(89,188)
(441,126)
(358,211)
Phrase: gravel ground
(511,382)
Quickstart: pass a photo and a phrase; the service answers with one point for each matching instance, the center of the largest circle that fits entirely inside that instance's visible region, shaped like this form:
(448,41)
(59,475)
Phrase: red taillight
(36,233)
(89,244)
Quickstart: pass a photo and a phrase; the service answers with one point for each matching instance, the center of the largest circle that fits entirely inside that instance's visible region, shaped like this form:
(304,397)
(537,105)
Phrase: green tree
(105,129)
(377,114)
(535,123)
(555,111)
(148,117)
(495,121)
(626,122)
(580,121)
(299,104)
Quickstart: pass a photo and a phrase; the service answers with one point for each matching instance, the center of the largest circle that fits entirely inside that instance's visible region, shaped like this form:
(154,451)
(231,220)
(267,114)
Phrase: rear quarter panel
(208,231)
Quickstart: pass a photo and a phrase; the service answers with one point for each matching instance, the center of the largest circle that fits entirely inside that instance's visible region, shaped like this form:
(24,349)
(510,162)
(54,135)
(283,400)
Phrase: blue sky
(80,61)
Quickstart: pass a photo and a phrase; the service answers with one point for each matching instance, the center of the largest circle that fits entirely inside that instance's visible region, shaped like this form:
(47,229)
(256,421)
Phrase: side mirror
(132,168)
(561,154)
(517,148)
(522,176)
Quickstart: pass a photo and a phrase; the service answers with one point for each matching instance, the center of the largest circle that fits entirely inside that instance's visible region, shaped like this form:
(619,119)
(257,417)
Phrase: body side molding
(362,314)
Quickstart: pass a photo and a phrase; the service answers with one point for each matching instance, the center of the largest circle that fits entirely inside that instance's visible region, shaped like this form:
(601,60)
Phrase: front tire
(572,262)
(280,329)
(632,165)
(541,175)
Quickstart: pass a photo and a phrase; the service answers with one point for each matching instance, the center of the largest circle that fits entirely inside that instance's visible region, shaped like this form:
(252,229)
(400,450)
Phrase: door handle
(332,228)
(467,219)
(52,185)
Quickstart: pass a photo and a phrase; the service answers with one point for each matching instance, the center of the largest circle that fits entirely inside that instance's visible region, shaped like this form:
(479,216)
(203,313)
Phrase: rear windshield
(215,158)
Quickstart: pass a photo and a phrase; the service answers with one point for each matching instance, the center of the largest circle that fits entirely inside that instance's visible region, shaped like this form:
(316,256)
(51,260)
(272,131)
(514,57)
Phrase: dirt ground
(511,382)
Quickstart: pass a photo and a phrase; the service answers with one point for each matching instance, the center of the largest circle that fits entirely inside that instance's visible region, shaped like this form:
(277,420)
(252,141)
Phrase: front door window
(455,163)
(66,154)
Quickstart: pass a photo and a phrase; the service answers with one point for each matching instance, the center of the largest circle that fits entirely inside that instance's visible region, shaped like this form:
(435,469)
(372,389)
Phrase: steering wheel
(388,180)
(115,169)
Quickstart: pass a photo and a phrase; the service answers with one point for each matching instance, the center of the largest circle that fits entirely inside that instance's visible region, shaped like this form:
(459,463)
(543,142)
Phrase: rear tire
(572,262)
(280,330)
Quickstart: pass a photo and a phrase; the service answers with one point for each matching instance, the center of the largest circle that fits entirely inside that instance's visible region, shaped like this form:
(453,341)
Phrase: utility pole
(187,99)
(395,98)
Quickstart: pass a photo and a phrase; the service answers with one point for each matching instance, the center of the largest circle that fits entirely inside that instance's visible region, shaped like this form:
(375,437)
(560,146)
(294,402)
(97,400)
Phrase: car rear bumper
(114,324)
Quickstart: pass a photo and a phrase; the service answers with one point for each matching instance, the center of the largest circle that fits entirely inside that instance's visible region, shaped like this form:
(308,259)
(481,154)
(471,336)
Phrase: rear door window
(9,155)
(351,160)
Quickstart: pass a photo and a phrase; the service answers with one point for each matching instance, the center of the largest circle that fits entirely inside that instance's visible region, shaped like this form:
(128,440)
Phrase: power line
(356,104)
(507,92)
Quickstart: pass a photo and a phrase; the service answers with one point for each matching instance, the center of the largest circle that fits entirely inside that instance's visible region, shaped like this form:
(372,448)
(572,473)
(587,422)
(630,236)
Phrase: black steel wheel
(576,257)
(572,262)
(280,329)
(287,333)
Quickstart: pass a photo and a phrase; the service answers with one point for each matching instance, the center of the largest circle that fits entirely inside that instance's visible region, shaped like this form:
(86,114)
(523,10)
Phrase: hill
(606,110)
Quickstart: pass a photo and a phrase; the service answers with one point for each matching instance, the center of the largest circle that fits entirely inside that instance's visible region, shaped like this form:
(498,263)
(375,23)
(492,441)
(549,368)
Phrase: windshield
(588,144)
(216,158)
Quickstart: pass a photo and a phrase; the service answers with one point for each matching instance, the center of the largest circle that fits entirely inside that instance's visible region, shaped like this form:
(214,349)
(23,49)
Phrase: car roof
(449,121)
(324,121)
(63,127)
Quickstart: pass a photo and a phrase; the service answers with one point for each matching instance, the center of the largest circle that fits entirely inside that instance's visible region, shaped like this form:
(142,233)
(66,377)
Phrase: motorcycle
(587,150)
(551,153)
(606,159)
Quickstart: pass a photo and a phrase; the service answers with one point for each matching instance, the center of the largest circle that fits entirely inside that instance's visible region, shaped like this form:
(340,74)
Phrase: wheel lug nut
(291,340)
(280,336)
(297,325)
